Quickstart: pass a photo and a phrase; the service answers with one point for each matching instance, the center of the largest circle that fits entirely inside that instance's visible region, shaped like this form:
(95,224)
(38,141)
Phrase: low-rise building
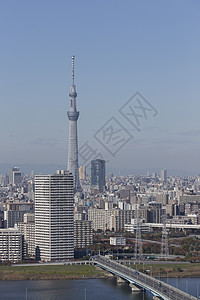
(10,245)
(27,229)
(83,234)
(117,241)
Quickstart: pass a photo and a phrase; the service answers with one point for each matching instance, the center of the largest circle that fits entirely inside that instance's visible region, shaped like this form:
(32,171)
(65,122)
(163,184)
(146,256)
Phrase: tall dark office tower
(164,175)
(73,115)
(15,176)
(54,216)
(98,174)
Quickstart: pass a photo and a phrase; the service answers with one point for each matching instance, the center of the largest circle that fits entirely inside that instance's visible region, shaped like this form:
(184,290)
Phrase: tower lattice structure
(164,245)
(138,240)
(73,115)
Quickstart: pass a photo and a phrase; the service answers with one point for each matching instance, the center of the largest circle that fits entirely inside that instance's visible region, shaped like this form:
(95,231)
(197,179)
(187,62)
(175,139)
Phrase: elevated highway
(159,289)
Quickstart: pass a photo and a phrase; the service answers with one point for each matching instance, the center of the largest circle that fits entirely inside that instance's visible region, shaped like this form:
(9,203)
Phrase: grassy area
(171,270)
(49,272)
(45,272)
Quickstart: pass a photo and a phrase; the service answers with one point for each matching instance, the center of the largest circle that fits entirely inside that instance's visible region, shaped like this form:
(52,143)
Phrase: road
(155,286)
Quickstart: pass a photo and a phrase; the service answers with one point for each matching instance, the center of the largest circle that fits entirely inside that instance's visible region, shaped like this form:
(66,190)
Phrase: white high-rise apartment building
(54,216)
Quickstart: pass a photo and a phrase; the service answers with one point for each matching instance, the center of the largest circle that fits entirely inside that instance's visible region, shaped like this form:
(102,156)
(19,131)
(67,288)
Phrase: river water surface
(91,289)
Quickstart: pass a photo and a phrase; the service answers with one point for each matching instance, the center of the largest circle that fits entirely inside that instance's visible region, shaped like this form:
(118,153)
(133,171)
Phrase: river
(91,289)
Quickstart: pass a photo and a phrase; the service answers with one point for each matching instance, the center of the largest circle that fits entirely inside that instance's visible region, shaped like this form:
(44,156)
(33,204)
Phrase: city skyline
(118,53)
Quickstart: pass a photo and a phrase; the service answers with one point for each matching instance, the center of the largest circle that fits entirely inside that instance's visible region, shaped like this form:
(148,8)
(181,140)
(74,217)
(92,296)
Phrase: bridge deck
(155,286)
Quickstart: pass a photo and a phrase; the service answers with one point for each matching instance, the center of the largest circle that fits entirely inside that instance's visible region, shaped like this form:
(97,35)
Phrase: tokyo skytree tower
(73,115)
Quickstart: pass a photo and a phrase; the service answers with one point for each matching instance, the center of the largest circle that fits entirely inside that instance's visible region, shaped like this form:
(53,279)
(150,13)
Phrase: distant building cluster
(41,217)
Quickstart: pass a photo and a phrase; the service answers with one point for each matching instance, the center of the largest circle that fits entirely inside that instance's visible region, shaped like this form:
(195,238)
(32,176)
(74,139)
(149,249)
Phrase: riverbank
(61,272)
(181,270)
(67,272)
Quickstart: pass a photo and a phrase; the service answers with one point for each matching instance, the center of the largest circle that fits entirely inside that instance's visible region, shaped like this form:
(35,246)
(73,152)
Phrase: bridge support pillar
(120,280)
(97,268)
(134,288)
(108,274)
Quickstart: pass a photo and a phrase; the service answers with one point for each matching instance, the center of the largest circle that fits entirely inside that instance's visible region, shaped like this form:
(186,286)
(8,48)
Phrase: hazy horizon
(52,168)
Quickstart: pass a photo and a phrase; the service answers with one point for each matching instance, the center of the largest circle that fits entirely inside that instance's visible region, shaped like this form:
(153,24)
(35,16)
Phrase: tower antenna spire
(73,57)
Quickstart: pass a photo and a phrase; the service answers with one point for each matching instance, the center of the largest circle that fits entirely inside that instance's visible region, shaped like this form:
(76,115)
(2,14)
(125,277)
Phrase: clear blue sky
(121,47)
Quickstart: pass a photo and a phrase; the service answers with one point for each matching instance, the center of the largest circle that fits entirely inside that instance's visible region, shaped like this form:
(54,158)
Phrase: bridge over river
(138,280)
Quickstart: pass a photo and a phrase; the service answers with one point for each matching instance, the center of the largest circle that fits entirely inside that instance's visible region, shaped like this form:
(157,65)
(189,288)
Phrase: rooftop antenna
(73,57)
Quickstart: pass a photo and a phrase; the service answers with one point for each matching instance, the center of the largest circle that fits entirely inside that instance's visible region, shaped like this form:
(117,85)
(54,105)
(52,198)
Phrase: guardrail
(155,286)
